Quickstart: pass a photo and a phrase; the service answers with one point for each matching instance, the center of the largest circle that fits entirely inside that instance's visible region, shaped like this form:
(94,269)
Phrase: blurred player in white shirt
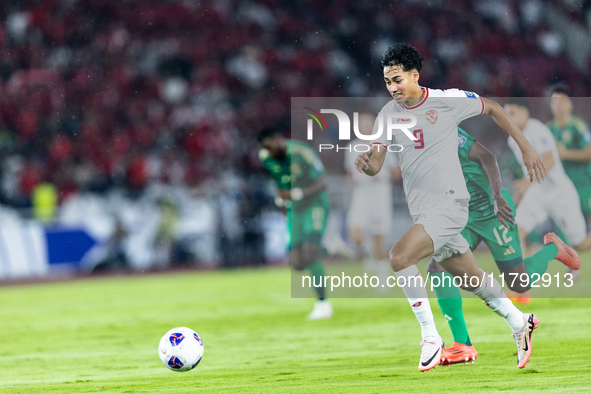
(557,197)
(436,193)
(363,217)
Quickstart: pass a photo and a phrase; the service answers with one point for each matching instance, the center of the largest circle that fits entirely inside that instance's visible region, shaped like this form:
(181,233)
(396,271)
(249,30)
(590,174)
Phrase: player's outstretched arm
(490,166)
(533,163)
(370,163)
(583,155)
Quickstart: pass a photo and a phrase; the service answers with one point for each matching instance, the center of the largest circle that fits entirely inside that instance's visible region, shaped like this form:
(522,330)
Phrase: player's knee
(399,260)
(519,287)
(296,261)
(517,278)
(434,267)
(305,262)
(298,264)
(310,254)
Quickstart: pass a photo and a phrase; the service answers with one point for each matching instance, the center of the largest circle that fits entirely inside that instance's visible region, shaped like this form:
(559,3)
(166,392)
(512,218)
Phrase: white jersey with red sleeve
(555,197)
(541,139)
(430,165)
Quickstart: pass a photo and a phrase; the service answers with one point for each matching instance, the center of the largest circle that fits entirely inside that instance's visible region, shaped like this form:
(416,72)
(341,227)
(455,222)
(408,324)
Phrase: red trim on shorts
(421,102)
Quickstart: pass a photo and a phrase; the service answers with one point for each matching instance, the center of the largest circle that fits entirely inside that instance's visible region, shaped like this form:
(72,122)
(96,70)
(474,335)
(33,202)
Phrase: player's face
(561,105)
(402,85)
(519,114)
(276,146)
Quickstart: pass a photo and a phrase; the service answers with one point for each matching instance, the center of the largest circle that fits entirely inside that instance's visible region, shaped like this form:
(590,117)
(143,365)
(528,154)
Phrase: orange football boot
(458,353)
(566,255)
(520,298)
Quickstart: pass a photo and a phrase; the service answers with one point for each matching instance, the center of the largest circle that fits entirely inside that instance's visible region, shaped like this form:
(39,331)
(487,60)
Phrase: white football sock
(491,292)
(416,293)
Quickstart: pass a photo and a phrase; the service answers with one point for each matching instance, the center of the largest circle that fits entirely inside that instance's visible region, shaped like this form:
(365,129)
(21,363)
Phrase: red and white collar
(420,102)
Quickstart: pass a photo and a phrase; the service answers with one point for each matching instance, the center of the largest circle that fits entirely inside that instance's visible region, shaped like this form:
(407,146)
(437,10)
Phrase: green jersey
(481,204)
(300,168)
(483,225)
(575,135)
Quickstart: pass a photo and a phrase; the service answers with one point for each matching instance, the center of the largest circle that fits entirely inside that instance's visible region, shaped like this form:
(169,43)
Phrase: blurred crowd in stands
(101,95)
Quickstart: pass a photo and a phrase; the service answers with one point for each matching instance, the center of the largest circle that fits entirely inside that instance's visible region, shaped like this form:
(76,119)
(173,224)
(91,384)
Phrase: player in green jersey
(573,139)
(301,181)
(491,219)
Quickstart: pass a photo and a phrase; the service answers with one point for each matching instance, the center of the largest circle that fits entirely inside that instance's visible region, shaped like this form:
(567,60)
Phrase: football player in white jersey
(436,193)
(557,198)
(373,218)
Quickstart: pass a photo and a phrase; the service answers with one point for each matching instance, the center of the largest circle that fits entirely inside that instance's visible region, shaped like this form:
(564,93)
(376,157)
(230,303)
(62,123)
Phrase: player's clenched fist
(362,161)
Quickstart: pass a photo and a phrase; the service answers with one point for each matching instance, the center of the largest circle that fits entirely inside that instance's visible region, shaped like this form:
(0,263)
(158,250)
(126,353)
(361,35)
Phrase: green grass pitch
(101,335)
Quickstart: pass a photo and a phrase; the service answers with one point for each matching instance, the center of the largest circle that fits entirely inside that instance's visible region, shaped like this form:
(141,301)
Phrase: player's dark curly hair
(402,54)
(559,88)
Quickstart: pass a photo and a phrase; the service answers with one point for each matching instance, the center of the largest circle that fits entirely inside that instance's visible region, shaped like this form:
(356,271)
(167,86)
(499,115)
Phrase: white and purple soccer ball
(180,349)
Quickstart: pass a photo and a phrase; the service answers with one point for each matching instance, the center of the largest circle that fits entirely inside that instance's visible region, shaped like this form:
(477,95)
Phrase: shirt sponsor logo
(470,94)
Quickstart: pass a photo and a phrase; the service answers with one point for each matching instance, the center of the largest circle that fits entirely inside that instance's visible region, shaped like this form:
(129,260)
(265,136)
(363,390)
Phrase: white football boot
(322,310)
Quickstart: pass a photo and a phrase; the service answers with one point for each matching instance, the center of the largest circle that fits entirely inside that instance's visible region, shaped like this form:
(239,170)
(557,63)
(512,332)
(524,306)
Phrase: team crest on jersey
(566,137)
(431,116)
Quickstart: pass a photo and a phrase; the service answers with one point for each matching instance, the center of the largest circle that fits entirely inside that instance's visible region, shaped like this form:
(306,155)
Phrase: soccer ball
(180,349)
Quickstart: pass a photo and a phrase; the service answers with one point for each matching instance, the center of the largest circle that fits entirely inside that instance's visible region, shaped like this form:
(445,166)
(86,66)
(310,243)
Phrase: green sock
(538,262)
(317,271)
(450,303)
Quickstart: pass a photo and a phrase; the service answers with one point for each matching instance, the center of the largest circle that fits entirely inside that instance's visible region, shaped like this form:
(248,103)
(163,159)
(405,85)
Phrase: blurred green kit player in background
(301,181)
(573,139)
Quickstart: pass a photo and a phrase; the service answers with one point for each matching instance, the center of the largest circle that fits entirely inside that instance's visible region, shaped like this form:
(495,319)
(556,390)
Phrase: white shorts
(370,212)
(444,223)
(561,204)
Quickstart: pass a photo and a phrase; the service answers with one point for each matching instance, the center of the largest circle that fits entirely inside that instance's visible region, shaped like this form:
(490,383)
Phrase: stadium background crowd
(144,106)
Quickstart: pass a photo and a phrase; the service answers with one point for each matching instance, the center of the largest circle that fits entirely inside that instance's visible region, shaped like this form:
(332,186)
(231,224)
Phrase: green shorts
(504,243)
(306,225)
